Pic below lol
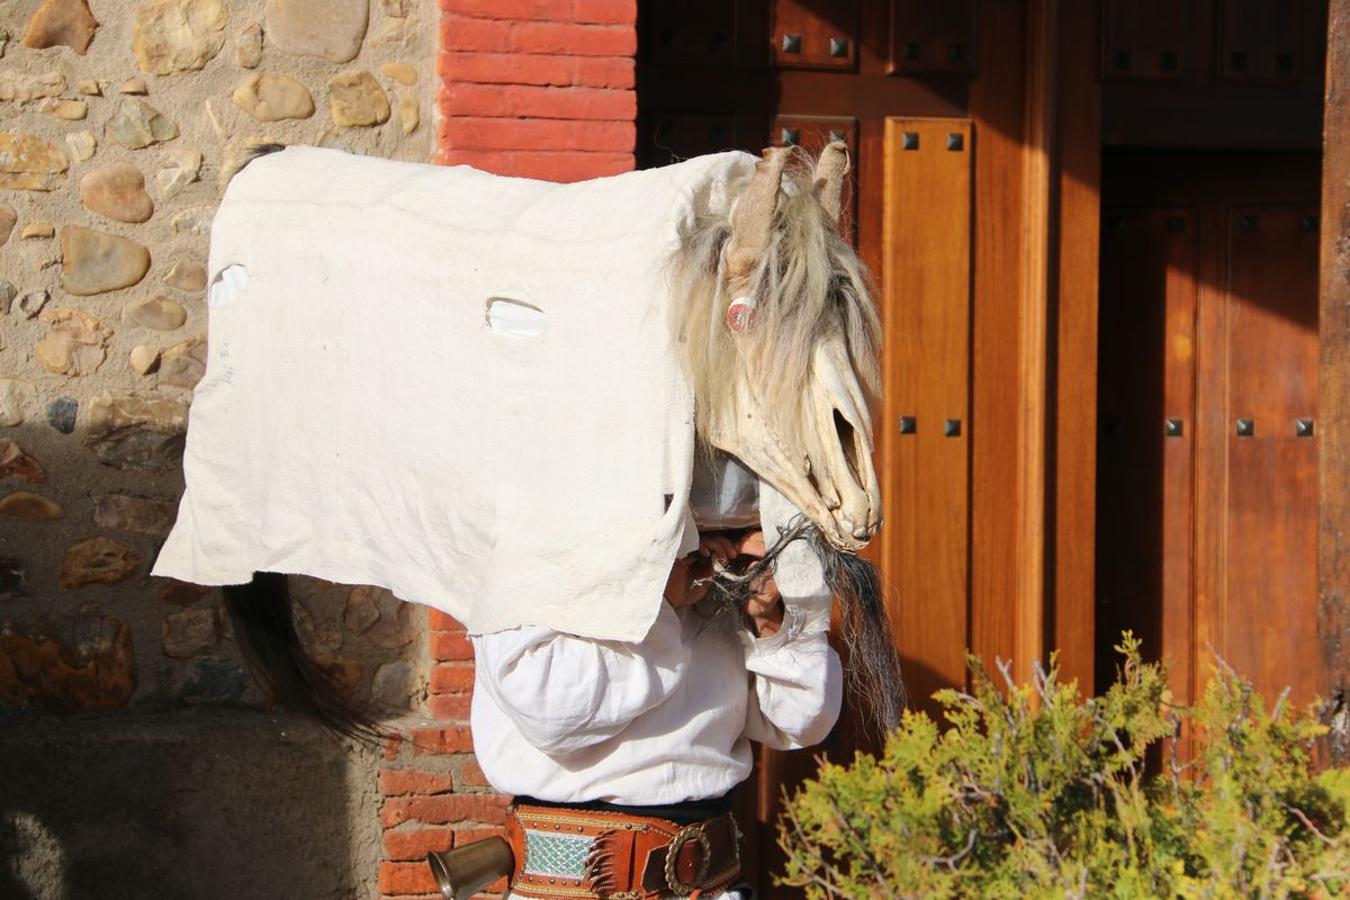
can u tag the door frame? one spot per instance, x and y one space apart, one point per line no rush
1333 501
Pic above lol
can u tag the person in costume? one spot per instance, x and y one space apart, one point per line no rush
548 510
607 737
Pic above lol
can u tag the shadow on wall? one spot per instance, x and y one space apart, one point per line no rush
204 804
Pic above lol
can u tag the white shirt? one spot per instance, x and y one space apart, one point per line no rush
569 719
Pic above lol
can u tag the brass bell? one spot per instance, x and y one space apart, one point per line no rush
464 871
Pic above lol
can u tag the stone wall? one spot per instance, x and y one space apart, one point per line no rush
117 118
112 140
116 121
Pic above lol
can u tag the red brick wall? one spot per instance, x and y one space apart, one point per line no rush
544 89
433 793
540 88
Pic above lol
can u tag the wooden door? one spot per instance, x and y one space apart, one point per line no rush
746 74
989 306
1207 510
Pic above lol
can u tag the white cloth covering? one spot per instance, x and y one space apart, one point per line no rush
368 417
660 721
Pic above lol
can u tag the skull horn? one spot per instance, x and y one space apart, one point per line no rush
831 169
752 219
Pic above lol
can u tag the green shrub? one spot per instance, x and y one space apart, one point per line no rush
1034 792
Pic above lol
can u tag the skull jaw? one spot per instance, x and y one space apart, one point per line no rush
751 441
831 479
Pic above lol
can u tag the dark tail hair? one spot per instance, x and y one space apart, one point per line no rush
873 671
265 631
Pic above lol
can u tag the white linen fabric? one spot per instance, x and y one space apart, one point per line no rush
724 493
798 571
367 416
660 721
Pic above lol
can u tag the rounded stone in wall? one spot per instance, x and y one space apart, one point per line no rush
27 506
158 313
332 29
117 192
356 98
23 87
82 144
180 168
14 462
400 72
15 397
71 675
64 108
76 342
137 124
187 275
98 560
61 23
209 681
178 35
408 116
248 45
143 359
190 633
29 163
61 414
31 304
273 96
396 685
183 364
93 262
135 430
134 514
380 617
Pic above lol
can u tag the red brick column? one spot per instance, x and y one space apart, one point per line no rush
539 88
542 89
434 795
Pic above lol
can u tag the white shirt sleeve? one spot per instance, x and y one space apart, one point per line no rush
565 693
797 687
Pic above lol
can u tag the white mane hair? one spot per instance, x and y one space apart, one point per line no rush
808 284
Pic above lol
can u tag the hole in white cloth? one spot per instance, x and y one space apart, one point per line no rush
515 317
228 284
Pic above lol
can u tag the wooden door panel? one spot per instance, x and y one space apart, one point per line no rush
1265 611
1146 400
1207 540
820 34
1145 40
933 37
692 32
714 76
1259 40
925 412
1213 73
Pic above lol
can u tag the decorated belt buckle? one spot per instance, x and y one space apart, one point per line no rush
685 835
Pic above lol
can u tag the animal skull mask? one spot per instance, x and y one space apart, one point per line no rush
786 361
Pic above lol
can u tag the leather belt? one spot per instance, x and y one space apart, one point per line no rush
572 853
